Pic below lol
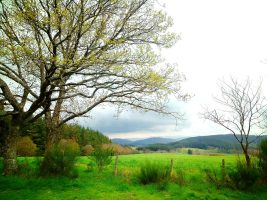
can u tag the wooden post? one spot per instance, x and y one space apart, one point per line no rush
171 170
116 166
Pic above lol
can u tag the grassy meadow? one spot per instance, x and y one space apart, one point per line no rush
93 185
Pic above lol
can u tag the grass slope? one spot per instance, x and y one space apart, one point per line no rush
91 185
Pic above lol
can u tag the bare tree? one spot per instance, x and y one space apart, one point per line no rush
242 110
63 58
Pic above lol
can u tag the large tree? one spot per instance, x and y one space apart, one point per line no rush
241 109
63 58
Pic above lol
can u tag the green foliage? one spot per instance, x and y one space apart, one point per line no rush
60 159
152 172
244 177
37 132
240 177
263 159
102 157
26 147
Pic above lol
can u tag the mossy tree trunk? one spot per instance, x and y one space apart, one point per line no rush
10 151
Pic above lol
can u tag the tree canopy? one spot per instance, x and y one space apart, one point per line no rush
70 56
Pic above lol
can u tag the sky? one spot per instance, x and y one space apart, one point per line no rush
219 38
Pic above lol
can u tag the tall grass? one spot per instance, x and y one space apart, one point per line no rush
153 172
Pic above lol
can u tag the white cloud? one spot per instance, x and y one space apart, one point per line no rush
219 38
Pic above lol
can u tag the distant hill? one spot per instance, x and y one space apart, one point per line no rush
143 142
217 141
121 141
222 142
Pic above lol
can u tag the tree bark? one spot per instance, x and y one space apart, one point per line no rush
10 151
52 132
52 138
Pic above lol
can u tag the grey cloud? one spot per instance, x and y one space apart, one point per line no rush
130 121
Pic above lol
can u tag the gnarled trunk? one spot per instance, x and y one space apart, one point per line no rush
52 132
52 137
10 151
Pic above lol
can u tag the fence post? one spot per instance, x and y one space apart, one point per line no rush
171 171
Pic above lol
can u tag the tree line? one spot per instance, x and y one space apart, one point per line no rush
82 135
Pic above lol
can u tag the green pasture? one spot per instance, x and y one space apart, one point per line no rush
125 186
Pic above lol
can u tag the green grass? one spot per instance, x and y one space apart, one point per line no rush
92 185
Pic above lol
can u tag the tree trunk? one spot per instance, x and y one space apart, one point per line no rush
10 151
52 132
53 137
247 157
248 161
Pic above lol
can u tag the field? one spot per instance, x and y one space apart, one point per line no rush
125 186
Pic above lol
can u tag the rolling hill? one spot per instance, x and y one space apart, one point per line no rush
222 142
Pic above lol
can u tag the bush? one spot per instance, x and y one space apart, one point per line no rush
263 160
60 160
189 151
244 177
102 157
26 147
218 180
154 173
87 150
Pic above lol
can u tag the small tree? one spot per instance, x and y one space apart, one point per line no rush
242 109
60 159
102 157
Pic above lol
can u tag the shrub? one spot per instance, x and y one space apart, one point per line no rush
213 177
263 159
244 177
87 150
26 147
154 173
60 159
189 151
102 157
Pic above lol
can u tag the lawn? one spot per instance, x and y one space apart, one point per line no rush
125 186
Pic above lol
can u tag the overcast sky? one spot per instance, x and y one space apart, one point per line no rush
219 38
